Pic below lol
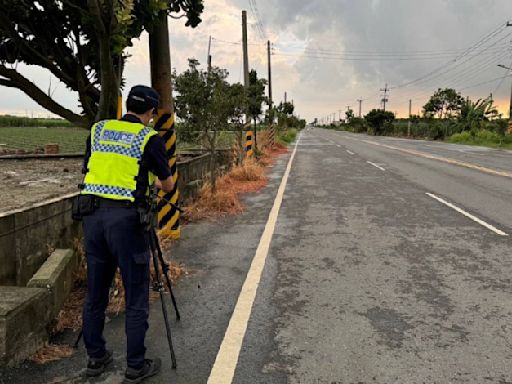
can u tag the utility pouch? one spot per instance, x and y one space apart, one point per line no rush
83 205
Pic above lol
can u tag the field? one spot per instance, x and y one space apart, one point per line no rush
70 140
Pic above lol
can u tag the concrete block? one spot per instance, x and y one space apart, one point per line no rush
56 275
24 315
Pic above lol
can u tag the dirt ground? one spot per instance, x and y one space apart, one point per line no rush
27 182
30 181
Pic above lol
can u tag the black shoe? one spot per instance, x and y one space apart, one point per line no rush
96 367
150 368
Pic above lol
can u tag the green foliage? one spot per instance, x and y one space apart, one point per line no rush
288 136
15 121
349 115
482 137
379 120
445 103
256 94
473 115
80 43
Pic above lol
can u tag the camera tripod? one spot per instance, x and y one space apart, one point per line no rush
158 286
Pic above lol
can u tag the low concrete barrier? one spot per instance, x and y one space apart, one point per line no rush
24 315
56 276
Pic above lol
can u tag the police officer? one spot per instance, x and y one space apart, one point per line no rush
124 158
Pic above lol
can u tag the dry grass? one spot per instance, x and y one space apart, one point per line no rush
246 178
52 352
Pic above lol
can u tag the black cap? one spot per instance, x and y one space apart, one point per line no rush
142 99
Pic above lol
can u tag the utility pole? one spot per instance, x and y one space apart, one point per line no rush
409 122
385 98
360 101
209 57
245 49
270 105
285 97
161 81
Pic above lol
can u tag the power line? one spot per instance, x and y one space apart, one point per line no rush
484 39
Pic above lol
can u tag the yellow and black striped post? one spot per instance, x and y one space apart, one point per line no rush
249 151
169 216
272 135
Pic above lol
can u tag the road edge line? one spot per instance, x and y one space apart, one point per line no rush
226 361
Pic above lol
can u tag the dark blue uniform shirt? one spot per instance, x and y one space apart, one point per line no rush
154 159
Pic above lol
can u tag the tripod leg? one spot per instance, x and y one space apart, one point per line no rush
159 286
79 337
165 270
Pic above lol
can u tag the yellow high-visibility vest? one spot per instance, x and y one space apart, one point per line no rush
116 152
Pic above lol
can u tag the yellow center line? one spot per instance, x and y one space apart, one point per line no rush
443 159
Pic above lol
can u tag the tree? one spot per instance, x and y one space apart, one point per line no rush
284 112
81 43
444 102
473 115
255 99
206 103
349 115
378 119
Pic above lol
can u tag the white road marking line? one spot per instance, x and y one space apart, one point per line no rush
339 146
225 364
469 215
376 165
350 153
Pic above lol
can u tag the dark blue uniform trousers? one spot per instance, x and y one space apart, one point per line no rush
114 237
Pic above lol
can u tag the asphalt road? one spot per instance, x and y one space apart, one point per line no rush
367 279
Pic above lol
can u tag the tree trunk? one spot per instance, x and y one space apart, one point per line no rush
14 79
108 79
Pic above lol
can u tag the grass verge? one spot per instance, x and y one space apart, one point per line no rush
482 138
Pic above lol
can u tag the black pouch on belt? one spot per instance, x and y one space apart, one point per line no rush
83 205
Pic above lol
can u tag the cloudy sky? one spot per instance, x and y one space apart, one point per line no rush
327 54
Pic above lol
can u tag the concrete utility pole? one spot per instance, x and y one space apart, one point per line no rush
245 49
270 104
360 101
385 98
409 122
209 57
285 97
160 58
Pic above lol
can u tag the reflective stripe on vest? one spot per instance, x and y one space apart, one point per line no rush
116 151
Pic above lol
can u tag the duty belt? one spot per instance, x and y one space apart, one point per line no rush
110 203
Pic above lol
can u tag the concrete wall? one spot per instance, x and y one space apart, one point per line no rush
194 172
25 234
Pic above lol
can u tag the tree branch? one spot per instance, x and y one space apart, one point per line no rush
12 78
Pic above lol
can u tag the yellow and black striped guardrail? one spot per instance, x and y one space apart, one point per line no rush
169 216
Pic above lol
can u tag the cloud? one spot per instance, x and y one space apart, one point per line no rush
310 36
